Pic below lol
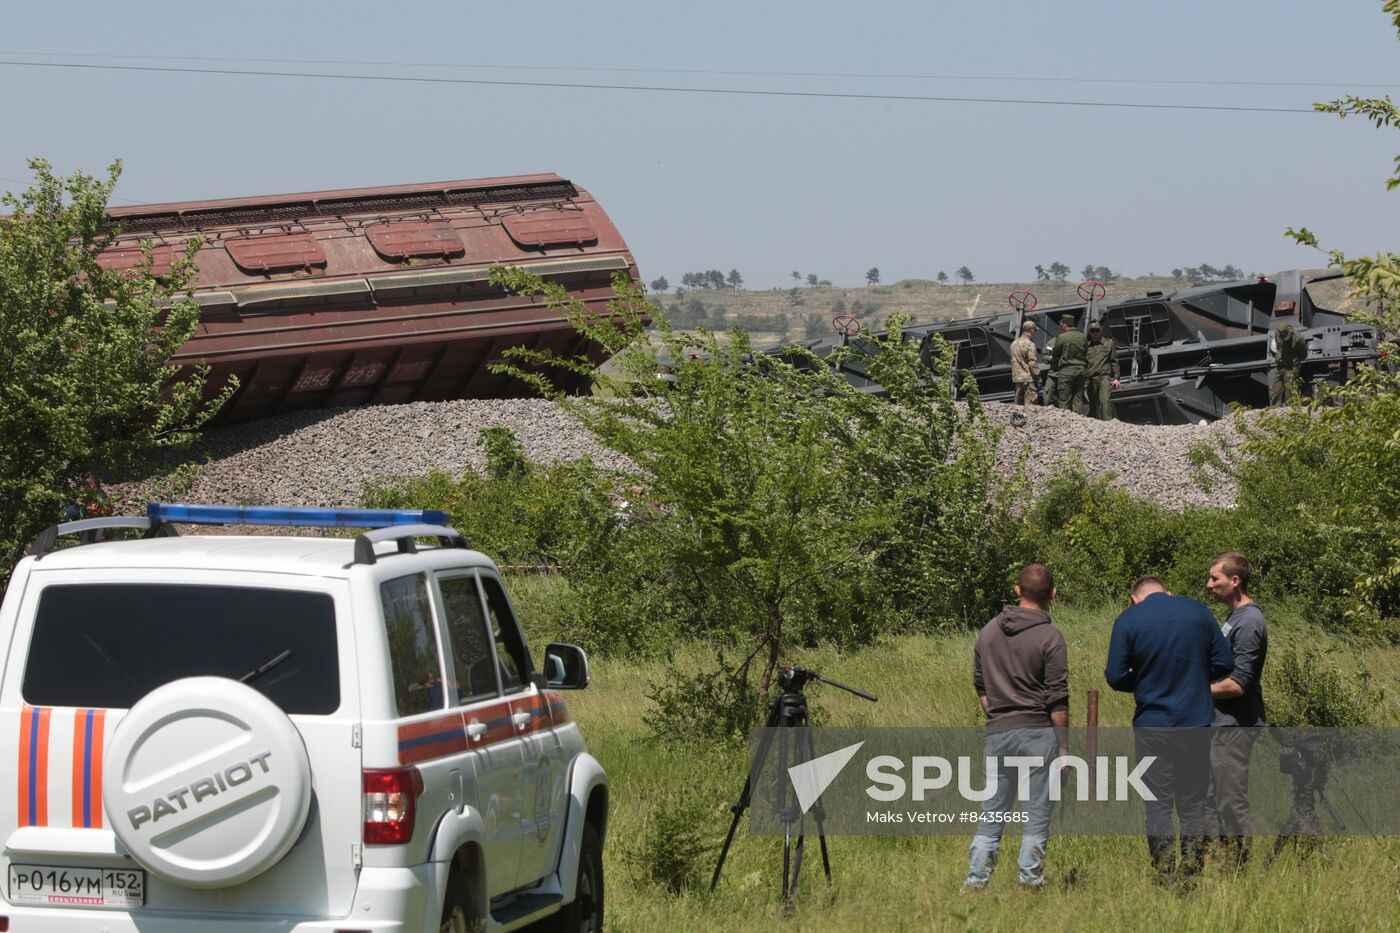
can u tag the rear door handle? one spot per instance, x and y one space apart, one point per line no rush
475 730
521 720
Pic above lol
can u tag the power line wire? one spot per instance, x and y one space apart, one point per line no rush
26 184
740 92
720 72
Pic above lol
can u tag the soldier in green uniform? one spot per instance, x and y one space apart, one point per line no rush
1291 349
1068 360
1102 372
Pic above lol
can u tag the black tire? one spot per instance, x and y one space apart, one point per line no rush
456 900
585 914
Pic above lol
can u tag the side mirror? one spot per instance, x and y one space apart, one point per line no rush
565 667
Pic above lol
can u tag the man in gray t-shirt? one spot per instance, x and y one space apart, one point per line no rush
1239 702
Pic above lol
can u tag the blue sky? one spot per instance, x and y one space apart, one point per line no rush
764 184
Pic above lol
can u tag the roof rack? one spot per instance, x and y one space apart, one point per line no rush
403 535
47 539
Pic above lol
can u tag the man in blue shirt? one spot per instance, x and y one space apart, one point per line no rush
1167 650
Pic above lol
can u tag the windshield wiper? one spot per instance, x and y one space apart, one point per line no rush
258 672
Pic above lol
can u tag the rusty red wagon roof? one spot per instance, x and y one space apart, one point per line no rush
364 295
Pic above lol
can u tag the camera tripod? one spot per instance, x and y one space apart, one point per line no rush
787 712
1309 767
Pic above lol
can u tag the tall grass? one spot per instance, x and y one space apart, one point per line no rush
914 883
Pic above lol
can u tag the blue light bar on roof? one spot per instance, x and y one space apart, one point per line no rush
290 515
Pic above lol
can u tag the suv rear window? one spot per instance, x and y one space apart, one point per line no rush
108 645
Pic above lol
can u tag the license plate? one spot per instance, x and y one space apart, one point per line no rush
77 887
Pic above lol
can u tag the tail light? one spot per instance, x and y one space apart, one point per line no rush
391 803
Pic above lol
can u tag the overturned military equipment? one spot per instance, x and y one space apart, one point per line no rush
370 295
1185 355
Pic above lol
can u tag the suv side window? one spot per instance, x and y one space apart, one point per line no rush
473 654
510 652
413 655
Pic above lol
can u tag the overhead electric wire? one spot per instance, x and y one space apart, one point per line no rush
715 72
26 184
741 92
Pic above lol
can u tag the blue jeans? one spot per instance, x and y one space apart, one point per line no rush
982 857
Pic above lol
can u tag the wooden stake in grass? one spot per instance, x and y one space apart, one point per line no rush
1091 736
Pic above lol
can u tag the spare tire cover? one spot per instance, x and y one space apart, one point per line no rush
207 782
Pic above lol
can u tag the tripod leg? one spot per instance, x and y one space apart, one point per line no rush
738 809
1336 816
787 855
747 793
790 890
819 817
1285 832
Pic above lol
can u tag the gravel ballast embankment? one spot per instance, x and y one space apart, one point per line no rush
324 458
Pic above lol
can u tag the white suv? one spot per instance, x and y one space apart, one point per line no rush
286 733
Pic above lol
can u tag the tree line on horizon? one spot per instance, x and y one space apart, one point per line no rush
715 280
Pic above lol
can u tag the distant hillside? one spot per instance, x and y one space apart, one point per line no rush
805 312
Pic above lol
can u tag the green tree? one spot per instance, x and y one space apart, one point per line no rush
734 279
942 278
1041 275
86 388
797 276
759 536
965 274
1337 543
872 276
661 285
1059 270
812 280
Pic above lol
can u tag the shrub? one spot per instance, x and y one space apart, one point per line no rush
1098 539
1318 506
720 704
1305 688
671 846
527 514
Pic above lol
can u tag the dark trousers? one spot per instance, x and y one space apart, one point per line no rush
1101 397
1231 747
1179 778
1069 390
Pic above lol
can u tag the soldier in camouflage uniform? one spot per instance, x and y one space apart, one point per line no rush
1025 366
1102 372
1068 360
1291 348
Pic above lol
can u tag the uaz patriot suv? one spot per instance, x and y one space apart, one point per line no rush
286 733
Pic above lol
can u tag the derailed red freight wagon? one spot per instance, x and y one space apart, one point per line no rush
373 295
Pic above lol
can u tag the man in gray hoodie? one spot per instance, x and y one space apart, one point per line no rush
1020 669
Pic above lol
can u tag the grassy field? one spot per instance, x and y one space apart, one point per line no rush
926 301
914 883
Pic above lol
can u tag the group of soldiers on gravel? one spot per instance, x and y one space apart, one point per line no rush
1082 365
1085 368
